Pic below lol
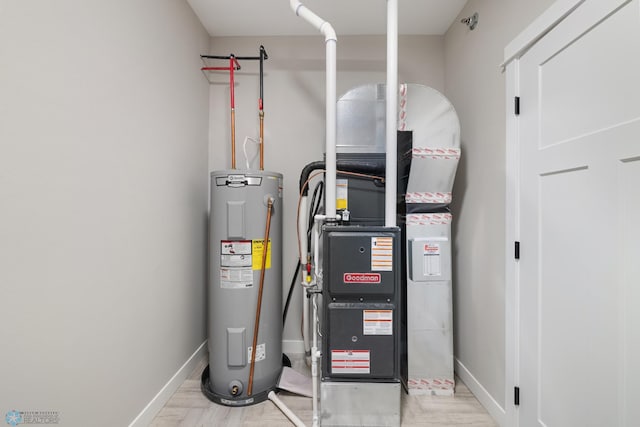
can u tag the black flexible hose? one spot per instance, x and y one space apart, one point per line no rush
316 201
304 175
291 287
373 167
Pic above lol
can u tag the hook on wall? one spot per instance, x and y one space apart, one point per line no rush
471 21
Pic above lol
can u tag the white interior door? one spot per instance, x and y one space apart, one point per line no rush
579 286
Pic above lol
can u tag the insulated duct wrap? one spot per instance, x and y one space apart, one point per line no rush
435 129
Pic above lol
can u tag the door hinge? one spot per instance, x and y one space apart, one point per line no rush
516 251
516 105
516 396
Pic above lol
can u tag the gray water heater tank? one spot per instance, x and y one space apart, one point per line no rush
238 217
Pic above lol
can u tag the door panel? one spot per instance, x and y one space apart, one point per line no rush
629 316
570 104
579 211
576 301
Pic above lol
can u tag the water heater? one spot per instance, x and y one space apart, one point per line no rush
245 207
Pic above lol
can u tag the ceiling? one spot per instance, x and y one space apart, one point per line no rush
348 17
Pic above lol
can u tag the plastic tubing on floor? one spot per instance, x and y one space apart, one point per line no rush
285 409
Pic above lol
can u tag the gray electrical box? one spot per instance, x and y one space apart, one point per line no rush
429 259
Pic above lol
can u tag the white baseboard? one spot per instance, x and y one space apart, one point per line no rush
145 417
293 346
483 396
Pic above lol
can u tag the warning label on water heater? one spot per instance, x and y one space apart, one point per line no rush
258 251
235 253
261 354
236 278
350 362
235 264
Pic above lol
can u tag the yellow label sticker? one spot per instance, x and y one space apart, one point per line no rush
257 247
342 193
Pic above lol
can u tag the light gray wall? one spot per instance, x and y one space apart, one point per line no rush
103 184
476 87
295 108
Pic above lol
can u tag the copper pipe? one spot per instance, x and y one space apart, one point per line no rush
260 290
233 66
232 61
263 56
233 138
261 140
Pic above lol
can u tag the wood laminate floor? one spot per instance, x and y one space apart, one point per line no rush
188 407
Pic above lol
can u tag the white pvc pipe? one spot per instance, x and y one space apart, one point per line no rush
303 220
316 245
330 149
392 120
305 326
315 353
315 357
285 409
303 223
331 107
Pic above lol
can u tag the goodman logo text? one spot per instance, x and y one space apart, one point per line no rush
361 277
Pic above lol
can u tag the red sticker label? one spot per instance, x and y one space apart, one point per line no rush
361 278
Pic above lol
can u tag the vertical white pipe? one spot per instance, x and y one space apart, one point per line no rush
331 108
330 170
316 246
315 356
392 125
330 148
305 326
303 221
